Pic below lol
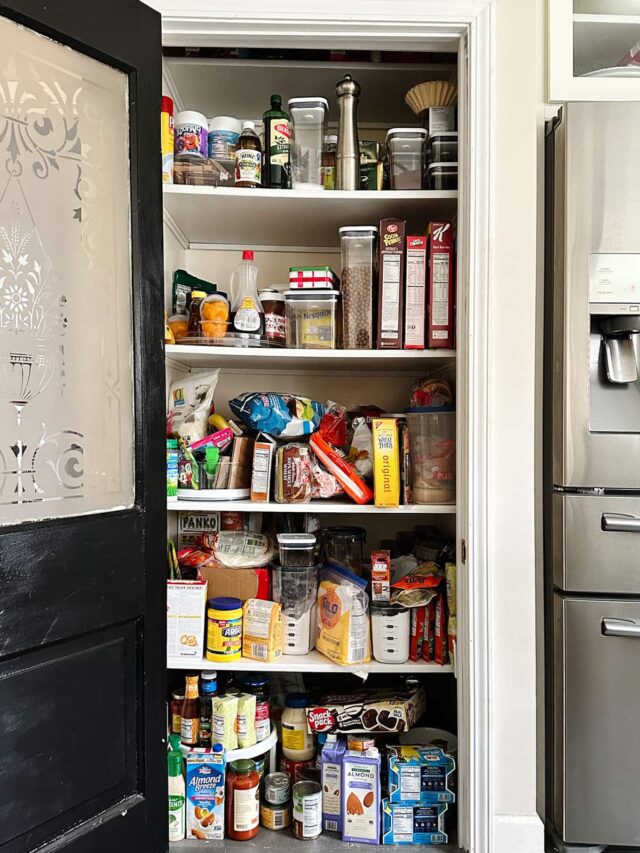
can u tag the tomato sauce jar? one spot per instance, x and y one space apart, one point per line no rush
243 800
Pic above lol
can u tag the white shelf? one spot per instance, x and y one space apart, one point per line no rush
313 662
248 751
320 506
287 360
262 217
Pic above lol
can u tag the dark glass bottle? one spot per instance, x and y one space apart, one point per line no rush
277 144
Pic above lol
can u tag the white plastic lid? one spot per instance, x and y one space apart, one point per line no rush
442 167
407 131
362 229
294 541
225 123
250 124
331 139
309 103
191 117
273 295
315 294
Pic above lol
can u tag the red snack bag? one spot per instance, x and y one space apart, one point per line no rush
333 425
441 651
428 646
416 639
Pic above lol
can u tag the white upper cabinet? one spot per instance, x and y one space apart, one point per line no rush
594 50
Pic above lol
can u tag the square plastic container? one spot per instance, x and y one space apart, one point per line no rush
443 148
358 249
442 176
296 549
309 118
407 148
432 445
313 319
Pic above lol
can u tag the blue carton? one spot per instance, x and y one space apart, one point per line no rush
420 774
405 823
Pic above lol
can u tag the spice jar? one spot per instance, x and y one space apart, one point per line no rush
275 324
243 800
358 253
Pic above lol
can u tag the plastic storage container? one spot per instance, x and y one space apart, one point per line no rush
191 133
309 118
390 629
214 315
443 148
442 176
432 442
358 249
407 147
223 136
345 545
296 549
295 589
312 318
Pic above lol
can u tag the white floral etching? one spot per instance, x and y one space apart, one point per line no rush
66 385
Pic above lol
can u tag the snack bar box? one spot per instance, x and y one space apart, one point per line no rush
390 711
420 774
413 824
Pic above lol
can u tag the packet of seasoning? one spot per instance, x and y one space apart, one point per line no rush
188 471
417 587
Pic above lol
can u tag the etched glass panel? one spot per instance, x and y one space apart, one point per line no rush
66 375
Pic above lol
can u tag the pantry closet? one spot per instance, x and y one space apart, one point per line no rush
206 229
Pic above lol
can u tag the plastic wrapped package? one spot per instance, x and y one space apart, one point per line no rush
285 415
345 473
293 474
190 404
241 549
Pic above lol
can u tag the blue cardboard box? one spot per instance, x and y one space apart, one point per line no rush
413 823
420 774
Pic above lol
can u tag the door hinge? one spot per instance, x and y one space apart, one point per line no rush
463 551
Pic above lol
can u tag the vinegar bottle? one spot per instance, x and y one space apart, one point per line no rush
247 313
248 157
190 717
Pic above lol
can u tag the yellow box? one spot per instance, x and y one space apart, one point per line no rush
386 462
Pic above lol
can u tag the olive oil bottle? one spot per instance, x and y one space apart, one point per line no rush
277 143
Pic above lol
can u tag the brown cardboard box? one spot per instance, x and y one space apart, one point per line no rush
236 583
368 710
391 284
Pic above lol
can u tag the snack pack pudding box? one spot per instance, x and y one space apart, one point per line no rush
361 796
410 823
205 794
420 774
331 761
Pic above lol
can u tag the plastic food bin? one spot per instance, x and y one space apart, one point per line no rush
358 248
214 315
407 147
432 445
309 118
442 176
443 148
296 549
295 589
312 318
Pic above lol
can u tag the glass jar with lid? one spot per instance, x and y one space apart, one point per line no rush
358 250
345 545
243 800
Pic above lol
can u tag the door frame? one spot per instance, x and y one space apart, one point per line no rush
420 25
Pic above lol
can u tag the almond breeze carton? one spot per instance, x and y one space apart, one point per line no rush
205 794
331 760
361 796
420 775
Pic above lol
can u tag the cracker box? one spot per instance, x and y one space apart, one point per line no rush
420 774
441 285
192 524
368 710
386 462
186 606
415 294
391 284
205 795
413 824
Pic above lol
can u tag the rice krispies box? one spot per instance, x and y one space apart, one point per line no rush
390 711
420 774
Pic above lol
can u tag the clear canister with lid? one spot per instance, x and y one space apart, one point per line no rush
358 249
312 318
407 149
295 588
443 147
432 443
390 630
345 545
309 118
214 315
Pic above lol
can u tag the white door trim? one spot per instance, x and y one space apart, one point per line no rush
420 25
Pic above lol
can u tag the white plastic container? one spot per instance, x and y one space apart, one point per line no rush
191 133
390 629
295 589
223 135
297 740
309 119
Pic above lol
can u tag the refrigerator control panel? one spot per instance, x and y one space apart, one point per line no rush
615 277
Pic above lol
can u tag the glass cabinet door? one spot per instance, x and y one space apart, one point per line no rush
594 50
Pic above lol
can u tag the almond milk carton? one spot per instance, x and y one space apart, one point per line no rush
205 794
361 796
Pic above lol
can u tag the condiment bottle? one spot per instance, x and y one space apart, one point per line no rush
194 327
248 157
177 797
277 143
258 686
190 716
243 800
208 691
247 313
329 162
348 150
177 700
297 742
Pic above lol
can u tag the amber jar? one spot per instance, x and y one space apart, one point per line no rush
243 800
175 710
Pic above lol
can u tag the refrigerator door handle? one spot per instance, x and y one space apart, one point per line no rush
620 628
616 522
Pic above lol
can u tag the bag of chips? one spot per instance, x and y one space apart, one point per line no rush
285 415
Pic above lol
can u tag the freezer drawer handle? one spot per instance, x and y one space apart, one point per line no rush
620 628
619 523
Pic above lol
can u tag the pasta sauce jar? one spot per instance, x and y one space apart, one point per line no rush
243 800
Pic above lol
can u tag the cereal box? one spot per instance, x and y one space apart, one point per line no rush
205 795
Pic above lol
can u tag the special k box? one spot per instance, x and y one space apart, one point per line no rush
440 331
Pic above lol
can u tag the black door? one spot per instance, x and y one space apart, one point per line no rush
82 523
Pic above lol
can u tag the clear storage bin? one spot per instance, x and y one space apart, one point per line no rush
442 176
432 445
345 545
295 589
309 118
296 549
358 248
407 148
312 318
443 148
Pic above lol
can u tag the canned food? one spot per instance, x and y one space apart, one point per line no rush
261 764
275 816
307 809
360 743
310 774
276 788
293 768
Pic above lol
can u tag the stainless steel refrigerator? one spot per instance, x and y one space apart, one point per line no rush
592 476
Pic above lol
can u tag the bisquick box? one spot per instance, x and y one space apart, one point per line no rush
413 823
420 774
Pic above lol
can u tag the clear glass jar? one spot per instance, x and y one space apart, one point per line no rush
358 249
345 545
